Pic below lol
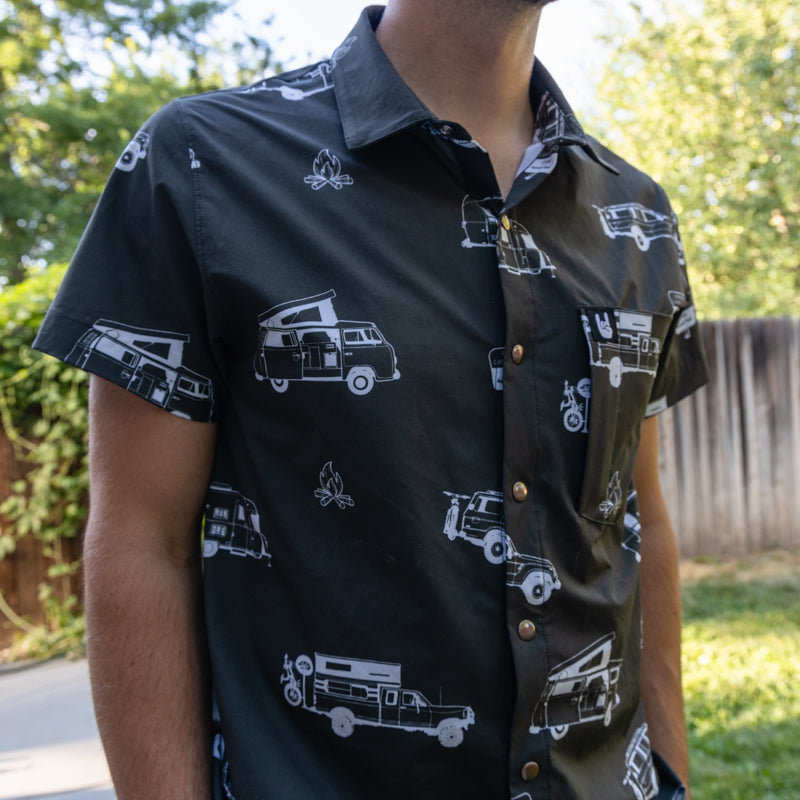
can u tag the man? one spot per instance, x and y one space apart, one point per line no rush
409 321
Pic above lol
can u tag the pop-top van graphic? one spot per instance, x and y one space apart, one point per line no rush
579 690
354 691
640 223
640 773
148 363
304 340
482 523
621 341
135 152
232 523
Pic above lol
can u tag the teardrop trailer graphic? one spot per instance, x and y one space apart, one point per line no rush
354 691
304 340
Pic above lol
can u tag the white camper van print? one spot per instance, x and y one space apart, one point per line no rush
354 691
550 126
232 523
304 340
640 773
633 527
640 223
480 226
576 412
688 318
298 87
148 363
497 356
135 152
482 523
621 341
579 690
518 253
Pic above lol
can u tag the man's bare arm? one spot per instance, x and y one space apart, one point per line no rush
662 690
145 640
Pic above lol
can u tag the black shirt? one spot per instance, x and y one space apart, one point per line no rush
421 542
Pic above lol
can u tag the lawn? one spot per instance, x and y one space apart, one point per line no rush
741 662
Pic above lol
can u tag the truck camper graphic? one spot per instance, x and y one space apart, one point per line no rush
640 773
581 689
147 363
303 340
483 523
353 691
232 523
640 223
621 341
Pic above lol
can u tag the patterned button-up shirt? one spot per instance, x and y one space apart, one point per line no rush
420 539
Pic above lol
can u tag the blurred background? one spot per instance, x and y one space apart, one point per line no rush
702 94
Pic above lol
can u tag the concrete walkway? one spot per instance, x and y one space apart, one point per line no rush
49 745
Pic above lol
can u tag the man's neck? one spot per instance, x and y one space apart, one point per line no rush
470 62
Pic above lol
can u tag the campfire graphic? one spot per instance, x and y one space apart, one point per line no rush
331 487
327 172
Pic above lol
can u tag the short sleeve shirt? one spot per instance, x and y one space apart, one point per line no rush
420 538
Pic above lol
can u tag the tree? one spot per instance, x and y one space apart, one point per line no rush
707 100
77 78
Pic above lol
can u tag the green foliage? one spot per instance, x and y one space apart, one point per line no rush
740 655
706 98
43 409
77 79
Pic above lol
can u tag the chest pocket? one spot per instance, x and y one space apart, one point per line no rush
625 349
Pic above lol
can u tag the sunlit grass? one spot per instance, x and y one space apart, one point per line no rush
741 661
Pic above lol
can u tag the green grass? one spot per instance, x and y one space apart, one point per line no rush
741 662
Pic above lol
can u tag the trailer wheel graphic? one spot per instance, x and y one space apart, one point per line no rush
293 695
342 721
360 380
495 546
642 242
450 735
559 731
615 371
280 385
210 548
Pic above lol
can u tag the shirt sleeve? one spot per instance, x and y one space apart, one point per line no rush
133 304
682 365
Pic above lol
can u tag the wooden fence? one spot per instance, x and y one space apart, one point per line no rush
730 454
730 457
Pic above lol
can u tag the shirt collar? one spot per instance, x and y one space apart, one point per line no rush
375 102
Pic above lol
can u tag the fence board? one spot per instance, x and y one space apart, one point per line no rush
734 484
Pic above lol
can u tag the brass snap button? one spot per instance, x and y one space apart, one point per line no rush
520 491
526 630
530 770
517 353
